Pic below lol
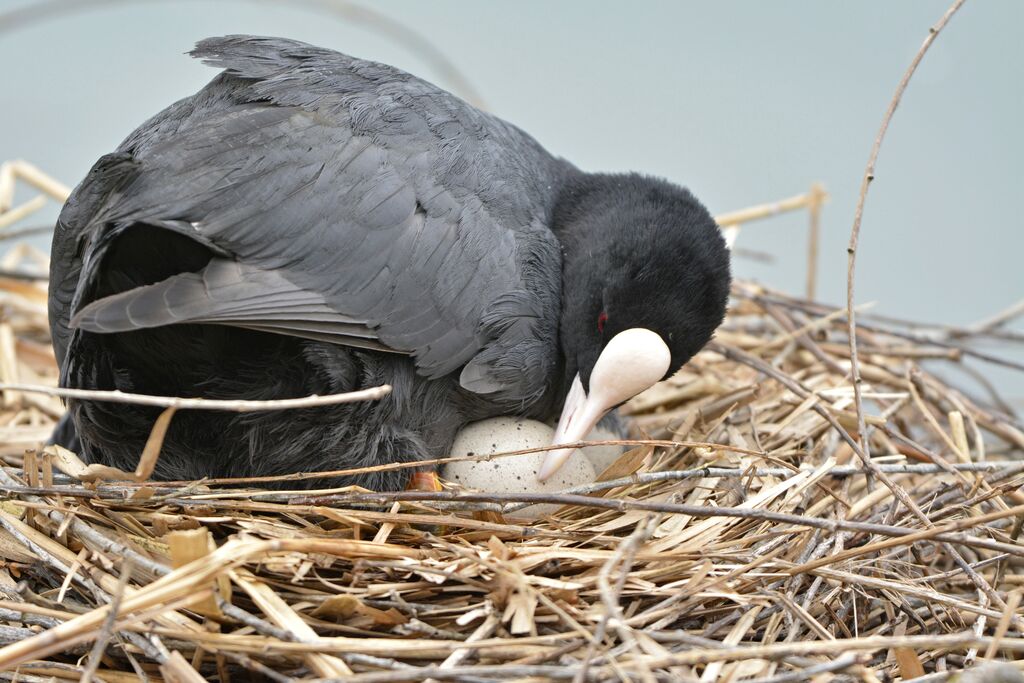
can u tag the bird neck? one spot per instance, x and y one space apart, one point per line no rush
589 209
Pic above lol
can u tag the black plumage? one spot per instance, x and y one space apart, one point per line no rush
314 223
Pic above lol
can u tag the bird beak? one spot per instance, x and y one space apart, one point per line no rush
632 362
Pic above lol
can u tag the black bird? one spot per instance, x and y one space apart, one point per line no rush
313 223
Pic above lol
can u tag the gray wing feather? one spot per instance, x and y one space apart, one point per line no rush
225 292
355 203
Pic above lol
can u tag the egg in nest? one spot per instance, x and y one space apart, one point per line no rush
518 473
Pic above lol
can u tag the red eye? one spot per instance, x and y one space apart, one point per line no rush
602 318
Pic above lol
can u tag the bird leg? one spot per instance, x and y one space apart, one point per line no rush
424 481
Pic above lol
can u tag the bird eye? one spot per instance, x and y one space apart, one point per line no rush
602 318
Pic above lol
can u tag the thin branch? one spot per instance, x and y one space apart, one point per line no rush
777 472
229 405
810 673
942 533
107 630
998 320
768 210
298 476
818 197
869 176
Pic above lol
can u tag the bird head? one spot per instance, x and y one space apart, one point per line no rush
645 283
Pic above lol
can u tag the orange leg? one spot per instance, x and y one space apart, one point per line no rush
424 481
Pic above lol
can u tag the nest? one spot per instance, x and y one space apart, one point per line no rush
753 533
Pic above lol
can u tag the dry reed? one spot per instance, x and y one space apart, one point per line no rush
740 539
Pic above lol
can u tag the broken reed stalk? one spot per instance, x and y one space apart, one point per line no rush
818 199
761 211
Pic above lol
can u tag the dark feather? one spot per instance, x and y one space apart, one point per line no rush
313 223
371 192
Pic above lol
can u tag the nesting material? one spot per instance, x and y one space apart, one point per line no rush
742 540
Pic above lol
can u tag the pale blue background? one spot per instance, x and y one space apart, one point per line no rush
744 102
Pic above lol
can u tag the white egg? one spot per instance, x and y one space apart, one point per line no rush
516 473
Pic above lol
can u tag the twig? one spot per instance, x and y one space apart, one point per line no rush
229 405
31 174
869 176
623 558
257 668
765 210
818 197
19 274
998 320
830 647
22 233
483 631
17 213
298 476
809 673
107 630
117 492
916 337
1004 624
778 472
943 533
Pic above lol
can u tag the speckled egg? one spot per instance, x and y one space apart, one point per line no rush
513 474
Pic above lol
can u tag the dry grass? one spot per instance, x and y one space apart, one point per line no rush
743 541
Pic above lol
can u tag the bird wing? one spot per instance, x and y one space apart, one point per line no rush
346 201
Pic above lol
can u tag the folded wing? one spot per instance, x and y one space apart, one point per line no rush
346 201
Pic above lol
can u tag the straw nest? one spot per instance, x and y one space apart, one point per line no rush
750 538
